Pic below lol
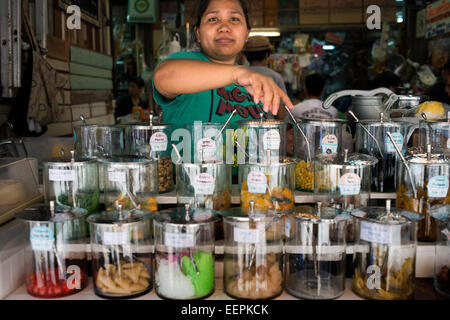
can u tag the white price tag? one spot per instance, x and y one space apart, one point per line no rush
256 182
271 140
179 240
61 175
204 184
375 232
117 176
246 235
42 238
206 149
158 142
437 187
329 144
287 227
398 139
349 184
448 143
114 238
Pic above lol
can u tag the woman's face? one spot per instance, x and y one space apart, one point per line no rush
223 31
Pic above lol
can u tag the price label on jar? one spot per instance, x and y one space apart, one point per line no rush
206 149
349 184
115 238
375 232
42 238
287 227
179 240
158 142
117 176
256 182
271 140
246 235
204 184
398 139
448 143
329 144
437 187
61 175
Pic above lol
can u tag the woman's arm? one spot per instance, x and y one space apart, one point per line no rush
185 76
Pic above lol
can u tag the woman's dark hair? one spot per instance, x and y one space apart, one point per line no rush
256 55
202 5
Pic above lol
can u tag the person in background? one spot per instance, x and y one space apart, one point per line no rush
440 91
312 106
387 79
132 100
257 51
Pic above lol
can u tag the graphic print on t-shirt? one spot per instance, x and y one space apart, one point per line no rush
237 99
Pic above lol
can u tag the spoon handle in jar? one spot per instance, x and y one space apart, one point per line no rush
301 131
368 132
225 125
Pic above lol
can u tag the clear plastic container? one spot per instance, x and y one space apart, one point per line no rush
315 255
122 253
269 185
152 141
253 264
55 260
131 181
436 133
207 143
442 257
94 141
383 173
430 173
72 183
256 137
205 185
184 242
324 137
343 180
385 253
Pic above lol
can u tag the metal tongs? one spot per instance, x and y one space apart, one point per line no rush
408 169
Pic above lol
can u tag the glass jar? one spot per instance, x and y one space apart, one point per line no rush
205 185
72 184
383 173
324 137
94 141
184 242
343 180
385 253
315 254
269 185
206 144
154 141
121 245
55 260
442 257
131 181
430 173
436 133
253 265
257 137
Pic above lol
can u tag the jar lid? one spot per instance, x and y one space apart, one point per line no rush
384 216
281 162
112 127
265 123
325 122
427 158
187 215
67 162
236 214
385 123
120 217
352 160
146 126
43 213
126 160
317 214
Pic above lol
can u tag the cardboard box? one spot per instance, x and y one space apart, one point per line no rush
313 4
271 18
308 17
345 4
345 16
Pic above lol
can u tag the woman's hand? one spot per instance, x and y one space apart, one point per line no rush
262 88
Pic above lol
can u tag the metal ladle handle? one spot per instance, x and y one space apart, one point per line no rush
225 125
405 163
301 131
368 132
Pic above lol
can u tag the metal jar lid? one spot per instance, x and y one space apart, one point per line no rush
263 123
187 216
154 127
282 163
126 160
318 214
45 213
324 122
427 158
354 160
386 215
69 162
120 217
